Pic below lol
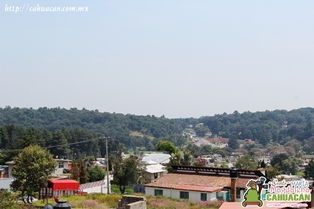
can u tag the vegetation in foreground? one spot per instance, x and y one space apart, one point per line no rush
103 201
169 203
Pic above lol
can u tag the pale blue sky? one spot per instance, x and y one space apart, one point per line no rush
173 58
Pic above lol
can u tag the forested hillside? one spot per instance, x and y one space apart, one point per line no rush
64 143
50 126
130 130
269 126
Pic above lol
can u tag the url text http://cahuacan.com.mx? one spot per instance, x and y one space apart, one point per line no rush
39 8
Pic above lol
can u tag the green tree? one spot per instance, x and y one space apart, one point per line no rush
96 173
205 149
294 144
125 172
195 150
278 159
201 130
84 178
166 146
290 165
310 143
246 162
272 172
175 159
215 126
32 167
224 165
309 170
59 144
4 138
187 158
233 142
75 171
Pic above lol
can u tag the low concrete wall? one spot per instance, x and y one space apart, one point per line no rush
132 202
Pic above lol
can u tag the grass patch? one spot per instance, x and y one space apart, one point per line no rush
300 173
90 201
115 189
136 134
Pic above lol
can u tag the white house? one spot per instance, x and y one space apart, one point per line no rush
202 184
190 192
154 171
61 165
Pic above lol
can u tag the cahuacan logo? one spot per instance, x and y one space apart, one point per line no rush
276 193
253 193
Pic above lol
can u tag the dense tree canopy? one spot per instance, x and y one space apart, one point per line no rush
279 159
125 172
309 170
32 167
287 164
233 142
166 146
20 127
117 126
246 162
96 173
64 143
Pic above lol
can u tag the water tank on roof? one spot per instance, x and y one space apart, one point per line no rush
233 173
62 204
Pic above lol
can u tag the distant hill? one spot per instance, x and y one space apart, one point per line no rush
264 127
118 126
277 126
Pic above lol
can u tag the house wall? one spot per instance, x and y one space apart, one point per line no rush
241 196
149 191
150 177
193 195
5 183
58 170
10 171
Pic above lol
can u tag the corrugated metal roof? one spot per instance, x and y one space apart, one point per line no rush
64 184
158 158
155 168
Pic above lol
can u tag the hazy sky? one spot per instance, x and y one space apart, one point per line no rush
174 58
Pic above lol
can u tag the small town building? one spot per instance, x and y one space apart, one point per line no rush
202 183
158 158
153 171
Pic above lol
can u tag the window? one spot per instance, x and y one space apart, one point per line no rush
203 196
238 193
159 192
184 195
155 175
61 165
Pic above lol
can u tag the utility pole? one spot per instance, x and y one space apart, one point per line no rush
107 164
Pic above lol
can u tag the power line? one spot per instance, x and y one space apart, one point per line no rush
60 145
